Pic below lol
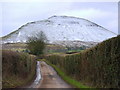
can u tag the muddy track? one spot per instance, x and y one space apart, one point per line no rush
50 79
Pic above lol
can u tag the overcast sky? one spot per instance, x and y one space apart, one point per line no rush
16 14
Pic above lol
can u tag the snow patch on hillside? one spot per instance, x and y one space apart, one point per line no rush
62 28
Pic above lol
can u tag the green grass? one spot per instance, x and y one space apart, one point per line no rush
66 78
75 50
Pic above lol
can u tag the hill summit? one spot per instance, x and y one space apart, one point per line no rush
61 28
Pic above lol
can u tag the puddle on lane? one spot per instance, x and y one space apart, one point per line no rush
38 77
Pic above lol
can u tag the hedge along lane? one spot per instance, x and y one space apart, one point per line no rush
97 66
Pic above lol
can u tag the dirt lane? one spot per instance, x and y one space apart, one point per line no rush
50 79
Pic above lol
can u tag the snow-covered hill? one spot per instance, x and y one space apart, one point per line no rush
61 28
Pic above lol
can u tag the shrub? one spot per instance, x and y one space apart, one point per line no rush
36 44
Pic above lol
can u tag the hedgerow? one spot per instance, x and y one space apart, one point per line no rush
97 66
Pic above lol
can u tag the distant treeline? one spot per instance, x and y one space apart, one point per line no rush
97 66
17 69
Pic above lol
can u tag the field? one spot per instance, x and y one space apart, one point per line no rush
14 46
50 48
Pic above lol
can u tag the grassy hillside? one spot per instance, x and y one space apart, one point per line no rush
17 69
14 46
49 49
96 67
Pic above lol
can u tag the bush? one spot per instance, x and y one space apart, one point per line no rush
36 44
